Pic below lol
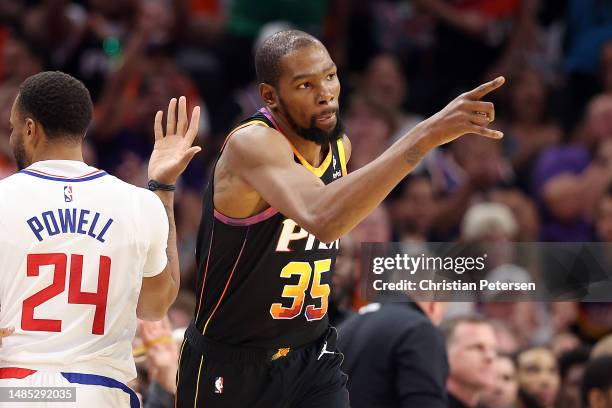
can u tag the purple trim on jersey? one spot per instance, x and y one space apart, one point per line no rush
35 173
268 115
94 379
262 216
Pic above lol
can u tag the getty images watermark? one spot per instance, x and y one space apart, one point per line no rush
407 264
489 271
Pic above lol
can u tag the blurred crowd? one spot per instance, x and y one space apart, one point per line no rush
550 179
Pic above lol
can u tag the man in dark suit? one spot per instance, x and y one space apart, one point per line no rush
394 355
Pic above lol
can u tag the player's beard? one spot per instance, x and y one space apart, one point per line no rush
313 133
19 153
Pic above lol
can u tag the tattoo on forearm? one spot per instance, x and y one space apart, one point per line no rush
414 155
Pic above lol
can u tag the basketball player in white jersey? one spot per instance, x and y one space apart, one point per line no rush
82 254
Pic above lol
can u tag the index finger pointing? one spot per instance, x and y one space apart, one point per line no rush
486 88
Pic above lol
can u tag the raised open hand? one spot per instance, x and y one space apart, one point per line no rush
465 114
173 150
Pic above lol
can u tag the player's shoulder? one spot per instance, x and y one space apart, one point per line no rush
146 202
256 144
117 188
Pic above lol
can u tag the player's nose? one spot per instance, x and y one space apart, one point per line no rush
326 96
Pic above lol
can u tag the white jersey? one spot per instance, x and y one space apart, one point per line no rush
75 244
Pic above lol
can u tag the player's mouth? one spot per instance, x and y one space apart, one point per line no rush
326 118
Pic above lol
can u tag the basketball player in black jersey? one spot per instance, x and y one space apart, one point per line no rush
277 203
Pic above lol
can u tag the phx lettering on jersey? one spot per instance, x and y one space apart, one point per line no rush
292 232
70 221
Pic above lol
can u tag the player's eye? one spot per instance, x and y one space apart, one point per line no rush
305 85
331 76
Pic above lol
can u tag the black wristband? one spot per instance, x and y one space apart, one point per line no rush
155 185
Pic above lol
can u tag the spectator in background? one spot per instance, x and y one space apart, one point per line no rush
504 392
376 227
528 129
564 342
472 352
370 125
461 174
571 369
413 208
394 356
567 179
244 20
524 210
494 34
563 316
538 377
58 27
589 27
121 134
507 342
597 383
385 84
603 216
489 222
19 61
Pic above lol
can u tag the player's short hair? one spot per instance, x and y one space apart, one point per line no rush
270 52
596 376
58 101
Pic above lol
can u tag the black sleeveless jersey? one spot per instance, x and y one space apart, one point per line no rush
264 281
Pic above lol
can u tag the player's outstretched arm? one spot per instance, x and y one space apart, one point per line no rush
265 161
172 153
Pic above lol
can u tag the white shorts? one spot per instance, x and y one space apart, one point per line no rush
91 390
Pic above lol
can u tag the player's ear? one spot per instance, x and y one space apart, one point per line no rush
30 127
32 130
268 94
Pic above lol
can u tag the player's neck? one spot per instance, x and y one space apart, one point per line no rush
309 150
58 152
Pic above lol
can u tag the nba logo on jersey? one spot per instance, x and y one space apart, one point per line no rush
219 385
68 194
